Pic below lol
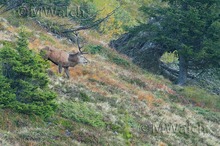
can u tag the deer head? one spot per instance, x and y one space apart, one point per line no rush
79 56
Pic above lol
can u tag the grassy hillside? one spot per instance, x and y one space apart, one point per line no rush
110 101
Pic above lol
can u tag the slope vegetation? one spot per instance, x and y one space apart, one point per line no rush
110 101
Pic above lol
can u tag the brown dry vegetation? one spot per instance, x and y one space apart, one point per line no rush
108 104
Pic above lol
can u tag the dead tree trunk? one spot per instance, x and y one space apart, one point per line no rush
183 66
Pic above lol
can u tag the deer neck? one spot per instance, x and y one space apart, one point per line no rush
73 57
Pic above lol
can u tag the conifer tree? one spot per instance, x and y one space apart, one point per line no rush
192 27
24 81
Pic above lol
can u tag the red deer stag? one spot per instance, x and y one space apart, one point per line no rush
64 59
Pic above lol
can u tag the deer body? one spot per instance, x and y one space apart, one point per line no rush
63 59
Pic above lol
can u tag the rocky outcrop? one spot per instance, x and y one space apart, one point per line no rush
143 52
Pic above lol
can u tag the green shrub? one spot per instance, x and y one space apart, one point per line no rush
201 97
44 37
94 49
171 57
15 21
135 81
108 53
84 97
127 129
209 115
81 113
119 61
24 81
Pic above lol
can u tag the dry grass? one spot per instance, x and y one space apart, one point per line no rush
117 96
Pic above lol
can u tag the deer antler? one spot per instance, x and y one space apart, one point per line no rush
78 43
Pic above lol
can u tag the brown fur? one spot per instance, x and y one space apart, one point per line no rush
63 59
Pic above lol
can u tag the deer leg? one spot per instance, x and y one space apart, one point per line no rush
60 68
67 72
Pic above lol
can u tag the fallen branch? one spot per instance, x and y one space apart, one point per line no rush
173 72
97 22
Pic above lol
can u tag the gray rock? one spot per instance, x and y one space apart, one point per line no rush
3 20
